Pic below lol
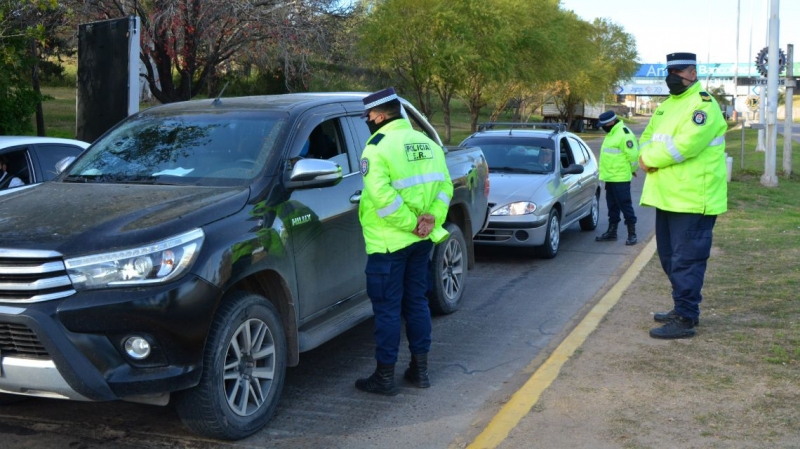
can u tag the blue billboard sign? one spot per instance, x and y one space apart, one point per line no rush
712 70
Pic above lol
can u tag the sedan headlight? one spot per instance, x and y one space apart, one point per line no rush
519 208
158 262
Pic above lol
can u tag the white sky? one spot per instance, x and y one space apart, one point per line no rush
704 27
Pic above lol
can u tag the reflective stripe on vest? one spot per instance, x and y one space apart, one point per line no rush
611 150
672 149
417 180
443 198
391 208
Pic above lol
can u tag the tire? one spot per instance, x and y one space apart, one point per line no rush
552 238
246 333
8 399
589 222
449 272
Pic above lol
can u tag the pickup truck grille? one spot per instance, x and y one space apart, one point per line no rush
16 339
32 276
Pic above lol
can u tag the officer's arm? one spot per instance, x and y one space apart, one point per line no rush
699 129
388 203
631 149
441 203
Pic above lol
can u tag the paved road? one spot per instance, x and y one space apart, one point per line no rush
517 308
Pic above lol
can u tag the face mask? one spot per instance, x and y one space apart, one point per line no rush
607 128
675 84
373 127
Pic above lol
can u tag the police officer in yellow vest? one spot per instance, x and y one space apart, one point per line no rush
407 191
683 153
619 156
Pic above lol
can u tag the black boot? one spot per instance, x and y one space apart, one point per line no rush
679 327
666 317
631 234
609 235
380 382
417 371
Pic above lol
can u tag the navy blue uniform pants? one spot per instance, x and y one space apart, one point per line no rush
618 199
396 284
684 245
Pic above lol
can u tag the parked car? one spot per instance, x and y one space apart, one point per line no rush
33 159
543 180
196 249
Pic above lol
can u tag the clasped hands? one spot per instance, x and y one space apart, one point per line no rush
425 223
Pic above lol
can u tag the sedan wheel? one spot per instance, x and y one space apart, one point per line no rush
553 237
589 222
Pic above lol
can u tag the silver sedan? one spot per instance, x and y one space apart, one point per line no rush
543 179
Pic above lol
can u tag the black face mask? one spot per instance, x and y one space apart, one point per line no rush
607 128
373 127
675 84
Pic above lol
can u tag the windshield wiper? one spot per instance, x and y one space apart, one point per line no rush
511 169
76 178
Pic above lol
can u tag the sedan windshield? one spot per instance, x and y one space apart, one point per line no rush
516 156
220 149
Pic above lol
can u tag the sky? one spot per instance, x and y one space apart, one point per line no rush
704 27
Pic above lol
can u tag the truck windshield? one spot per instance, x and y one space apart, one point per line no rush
214 149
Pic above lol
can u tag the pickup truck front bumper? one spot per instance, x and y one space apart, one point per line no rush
73 347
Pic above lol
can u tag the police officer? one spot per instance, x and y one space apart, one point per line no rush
407 191
618 163
683 153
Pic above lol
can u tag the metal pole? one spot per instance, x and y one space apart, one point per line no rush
769 179
787 124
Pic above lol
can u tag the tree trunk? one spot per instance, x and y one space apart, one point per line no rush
37 88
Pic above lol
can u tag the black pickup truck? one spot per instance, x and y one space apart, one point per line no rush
196 249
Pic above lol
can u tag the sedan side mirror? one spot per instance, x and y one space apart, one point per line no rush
572 169
63 164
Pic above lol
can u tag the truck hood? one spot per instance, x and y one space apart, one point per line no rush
510 187
86 218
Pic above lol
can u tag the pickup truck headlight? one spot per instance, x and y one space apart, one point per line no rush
158 262
519 208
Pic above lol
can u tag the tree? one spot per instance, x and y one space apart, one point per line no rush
192 39
19 96
606 55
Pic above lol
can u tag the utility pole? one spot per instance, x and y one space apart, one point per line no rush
769 179
787 123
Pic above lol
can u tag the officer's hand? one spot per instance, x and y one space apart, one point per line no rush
634 174
425 223
645 167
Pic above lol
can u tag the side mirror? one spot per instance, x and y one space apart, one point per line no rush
572 169
63 164
314 173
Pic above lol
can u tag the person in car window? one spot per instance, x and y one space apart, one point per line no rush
683 153
407 191
618 163
7 180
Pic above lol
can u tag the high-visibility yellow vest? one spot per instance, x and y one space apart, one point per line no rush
619 154
405 175
685 141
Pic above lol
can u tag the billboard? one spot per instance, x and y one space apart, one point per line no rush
108 75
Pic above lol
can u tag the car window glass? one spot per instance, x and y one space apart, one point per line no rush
566 155
578 154
326 141
196 148
49 155
18 165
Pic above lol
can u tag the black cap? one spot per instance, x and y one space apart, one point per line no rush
680 61
378 98
606 117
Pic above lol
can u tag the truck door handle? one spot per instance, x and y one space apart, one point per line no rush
356 197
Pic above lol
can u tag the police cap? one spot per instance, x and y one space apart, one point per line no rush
680 61
606 117
378 98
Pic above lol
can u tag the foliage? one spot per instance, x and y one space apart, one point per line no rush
608 56
199 41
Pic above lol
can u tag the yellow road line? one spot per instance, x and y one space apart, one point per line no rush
526 397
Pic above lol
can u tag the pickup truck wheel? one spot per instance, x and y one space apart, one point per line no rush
589 222
449 271
244 367
8 399
552 238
